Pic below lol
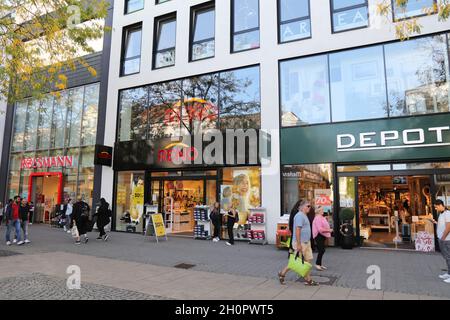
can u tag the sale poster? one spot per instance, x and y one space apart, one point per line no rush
323 197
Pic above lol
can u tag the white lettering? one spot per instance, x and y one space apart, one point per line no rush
74 280
303 29
388 135
406 139
364 137
374 281
341 19
340 138
358 16
439 132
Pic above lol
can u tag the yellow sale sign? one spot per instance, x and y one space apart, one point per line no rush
158 224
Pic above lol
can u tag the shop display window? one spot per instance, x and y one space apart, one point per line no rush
133 114
129 207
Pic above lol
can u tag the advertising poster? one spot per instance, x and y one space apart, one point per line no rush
137 198
322 197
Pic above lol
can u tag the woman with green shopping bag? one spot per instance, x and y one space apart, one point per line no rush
300 260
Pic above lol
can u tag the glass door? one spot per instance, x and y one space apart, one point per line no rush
348 199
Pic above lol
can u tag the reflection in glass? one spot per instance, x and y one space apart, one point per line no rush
134 5
305 91
417 76
294 20
45 121
90 114
132 53
74 118
358 87
413 8
240 104
129 201
86 174
19 125
133 114
165 48
351 19
246 25
31 125
59 120
204 34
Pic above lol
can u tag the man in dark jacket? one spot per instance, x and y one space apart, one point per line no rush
24 216
80 216
103 218
13 221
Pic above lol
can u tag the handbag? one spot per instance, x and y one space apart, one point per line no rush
299 266
74 231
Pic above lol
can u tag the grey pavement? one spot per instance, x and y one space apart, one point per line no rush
410 273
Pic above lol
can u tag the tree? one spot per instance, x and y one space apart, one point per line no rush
40 40
404 28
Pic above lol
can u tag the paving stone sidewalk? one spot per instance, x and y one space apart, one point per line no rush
401 272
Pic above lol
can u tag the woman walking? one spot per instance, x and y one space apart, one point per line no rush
321 232
233 217
216 219
80 217
103 219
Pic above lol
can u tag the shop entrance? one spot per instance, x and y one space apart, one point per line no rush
45 191
394 209
177 197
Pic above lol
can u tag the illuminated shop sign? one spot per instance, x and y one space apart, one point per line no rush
47 162
392 139
177 152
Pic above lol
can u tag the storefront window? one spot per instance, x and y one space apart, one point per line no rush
71 176
241 187
19 125
86 174
133 114
417 76
240 103
358 87
130 201
90 115
308 182
305 97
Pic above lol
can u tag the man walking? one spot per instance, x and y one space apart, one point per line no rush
301 241
13 221
80 216
103 219
68 210
24 217
443 233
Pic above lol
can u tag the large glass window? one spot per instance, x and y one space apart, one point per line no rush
129 205
295 20
358 86
417 76
31 125
45 123
133 5
76 97
131 56
349 14
305 95
203 33
90 115
86 174
412 8
164 52
133 114
59 120
20 120
240 103
245 26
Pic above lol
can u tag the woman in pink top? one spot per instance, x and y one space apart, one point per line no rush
321 232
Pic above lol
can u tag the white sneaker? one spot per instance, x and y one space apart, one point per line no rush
215 240
444 276
447 280
8 243
68 231
15 240
27 241
20 243
228 244
65 229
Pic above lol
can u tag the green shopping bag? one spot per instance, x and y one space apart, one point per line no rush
300 266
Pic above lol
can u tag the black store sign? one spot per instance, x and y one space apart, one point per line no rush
103 156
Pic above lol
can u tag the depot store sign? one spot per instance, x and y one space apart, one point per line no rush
47 162
412 138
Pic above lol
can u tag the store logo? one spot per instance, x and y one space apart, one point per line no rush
46 162
175 152
392 139
105 155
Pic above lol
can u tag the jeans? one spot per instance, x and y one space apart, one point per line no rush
320 242
24 226
9 226
68 222
445 251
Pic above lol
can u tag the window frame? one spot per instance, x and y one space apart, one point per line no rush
412 17
233 34
158 2
156 36
125 8
280 23
333 11
201 8
125 34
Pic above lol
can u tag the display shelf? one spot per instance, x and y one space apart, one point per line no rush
258 227
202 227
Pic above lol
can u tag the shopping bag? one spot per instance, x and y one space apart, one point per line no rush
299 265
74 231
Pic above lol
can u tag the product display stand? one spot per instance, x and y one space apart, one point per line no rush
202 228
258 226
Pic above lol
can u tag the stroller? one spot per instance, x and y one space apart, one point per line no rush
58 220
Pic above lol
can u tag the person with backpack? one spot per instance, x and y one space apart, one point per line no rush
80 219
103 215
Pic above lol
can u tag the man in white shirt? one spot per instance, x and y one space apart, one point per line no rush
443 233
69 210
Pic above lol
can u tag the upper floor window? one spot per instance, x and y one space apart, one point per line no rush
245 26
412 8
133 5
131 50
202 33
349 14
161 1
294 19
165 42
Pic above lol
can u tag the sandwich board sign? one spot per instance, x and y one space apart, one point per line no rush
155 226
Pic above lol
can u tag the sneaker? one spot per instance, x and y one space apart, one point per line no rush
77 242
20 243
86 240
319 268
447 280
215 240
8 243
99 238
444 276
106 238
15 241
228 244
65 229
68 231
27 241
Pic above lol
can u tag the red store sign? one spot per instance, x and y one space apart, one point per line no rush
177 152
46 162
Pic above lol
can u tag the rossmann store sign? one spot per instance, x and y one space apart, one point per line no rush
413 138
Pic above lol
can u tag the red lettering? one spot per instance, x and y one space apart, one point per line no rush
60 161
53 162
47 162
68 161
161 156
